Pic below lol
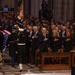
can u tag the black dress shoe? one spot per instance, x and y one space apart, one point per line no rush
20 70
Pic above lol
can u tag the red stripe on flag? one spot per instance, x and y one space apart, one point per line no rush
5 32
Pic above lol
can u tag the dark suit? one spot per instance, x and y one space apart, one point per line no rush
12 41
43 45
34 44
63 37
29 40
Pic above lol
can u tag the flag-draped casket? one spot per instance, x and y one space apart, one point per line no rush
5 36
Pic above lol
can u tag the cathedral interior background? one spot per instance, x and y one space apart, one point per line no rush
37 37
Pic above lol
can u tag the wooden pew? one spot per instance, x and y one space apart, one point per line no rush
54 61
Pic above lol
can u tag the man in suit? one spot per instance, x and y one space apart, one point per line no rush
35 42
29 33
44 44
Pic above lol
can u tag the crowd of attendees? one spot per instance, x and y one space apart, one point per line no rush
40 34
58 34
7 20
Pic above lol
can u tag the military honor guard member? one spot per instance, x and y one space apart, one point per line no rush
12 43
21 48
19 20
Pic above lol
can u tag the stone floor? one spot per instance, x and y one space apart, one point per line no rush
28 69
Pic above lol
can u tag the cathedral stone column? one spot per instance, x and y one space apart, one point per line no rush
35 7
26 6
56 10
15 6
71 9
65 10
32 7
59 13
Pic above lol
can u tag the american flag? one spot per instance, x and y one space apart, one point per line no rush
5 32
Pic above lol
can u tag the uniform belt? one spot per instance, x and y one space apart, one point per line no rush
21 44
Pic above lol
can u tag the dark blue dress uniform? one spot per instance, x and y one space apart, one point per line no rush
21 49
12 41
19 22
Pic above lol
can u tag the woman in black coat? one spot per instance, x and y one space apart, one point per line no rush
56 40
68 42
